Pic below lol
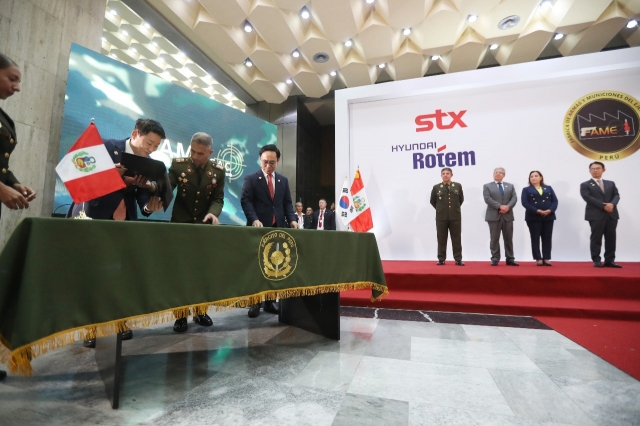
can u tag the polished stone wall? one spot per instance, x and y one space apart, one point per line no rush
37 35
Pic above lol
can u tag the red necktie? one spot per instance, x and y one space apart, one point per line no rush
272 192
320 220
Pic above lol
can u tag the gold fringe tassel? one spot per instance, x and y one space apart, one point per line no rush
19 360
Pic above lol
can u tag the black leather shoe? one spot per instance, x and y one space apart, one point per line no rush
546 263
598 264
440 262
271 307
90 343
127 335
459 263
203 320
612 265
3 375
494 262
254 311
180 326
513 263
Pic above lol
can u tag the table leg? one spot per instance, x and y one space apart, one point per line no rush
108 354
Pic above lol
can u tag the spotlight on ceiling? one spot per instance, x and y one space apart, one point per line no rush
113 12
247 27
435 57
147 26
493 47
472 18
382 65
304 13
369 1
632 23
546 4
295 53
104 39
333 73
125 32
406 31
289 81
558 36
248 63
348 43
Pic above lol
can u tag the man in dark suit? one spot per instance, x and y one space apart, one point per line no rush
266 201
323 218
199 199
121 205
304 221
500 198
602 213
447 198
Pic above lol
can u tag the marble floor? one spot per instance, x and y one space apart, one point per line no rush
383 371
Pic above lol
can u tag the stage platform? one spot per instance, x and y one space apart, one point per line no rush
599 308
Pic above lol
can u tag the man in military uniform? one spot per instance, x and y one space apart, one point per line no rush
446 198
200 196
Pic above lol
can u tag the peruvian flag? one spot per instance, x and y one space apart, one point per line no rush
87 170
361 220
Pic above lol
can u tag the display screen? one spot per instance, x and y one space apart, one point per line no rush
115 95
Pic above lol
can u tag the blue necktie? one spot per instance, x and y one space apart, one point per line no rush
501 188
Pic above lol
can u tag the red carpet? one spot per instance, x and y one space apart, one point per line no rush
570 297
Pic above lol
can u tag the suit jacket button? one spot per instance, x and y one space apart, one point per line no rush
6 155
12 141
4 170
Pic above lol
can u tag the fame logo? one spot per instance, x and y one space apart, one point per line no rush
277 255
603 125
233 162
424 123
84 162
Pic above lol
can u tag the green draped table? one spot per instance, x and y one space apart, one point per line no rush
64 280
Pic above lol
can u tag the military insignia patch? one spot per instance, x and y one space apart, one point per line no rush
277 255
180 160
209 173
189 170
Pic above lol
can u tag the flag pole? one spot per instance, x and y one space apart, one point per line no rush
83 215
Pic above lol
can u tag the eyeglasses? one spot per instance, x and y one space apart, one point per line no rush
271 163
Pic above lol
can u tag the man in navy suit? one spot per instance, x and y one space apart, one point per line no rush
266 201
323 218
602 213
121 204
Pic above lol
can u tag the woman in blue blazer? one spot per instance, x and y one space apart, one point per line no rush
540 203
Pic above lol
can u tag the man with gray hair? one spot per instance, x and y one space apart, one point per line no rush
200 196
500 198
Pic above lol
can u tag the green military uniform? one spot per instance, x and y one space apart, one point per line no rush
7 145
447 199
200 190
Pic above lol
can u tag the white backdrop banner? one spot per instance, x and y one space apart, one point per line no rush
555 117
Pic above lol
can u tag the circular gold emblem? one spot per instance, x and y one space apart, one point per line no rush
604 125
277 255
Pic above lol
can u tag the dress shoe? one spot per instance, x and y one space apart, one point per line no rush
612 265
203 320
512 263
494 262
180 326
271 307
3 374
127 335
459 263
440 262
598 264
539 263
546 263
89 343
254 311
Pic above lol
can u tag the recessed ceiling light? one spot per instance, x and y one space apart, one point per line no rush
147 26
435 57
406 31
295 53
113 12
558 36
133 49
104 39
289 81
472 18
160 59
321 57
382 65
125 32
304 13
493 47
247 27
348 43
333 73
369 1
546 4
248 63
632 23
509 22
154 43
113 55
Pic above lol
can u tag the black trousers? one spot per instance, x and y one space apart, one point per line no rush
540 230
604 227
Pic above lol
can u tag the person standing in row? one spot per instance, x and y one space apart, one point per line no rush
323 218
500 198
13 194
601 211
447 198
540 202
200 198
304 221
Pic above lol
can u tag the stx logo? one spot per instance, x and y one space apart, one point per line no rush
425 123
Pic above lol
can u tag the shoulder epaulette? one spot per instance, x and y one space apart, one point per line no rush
181 160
